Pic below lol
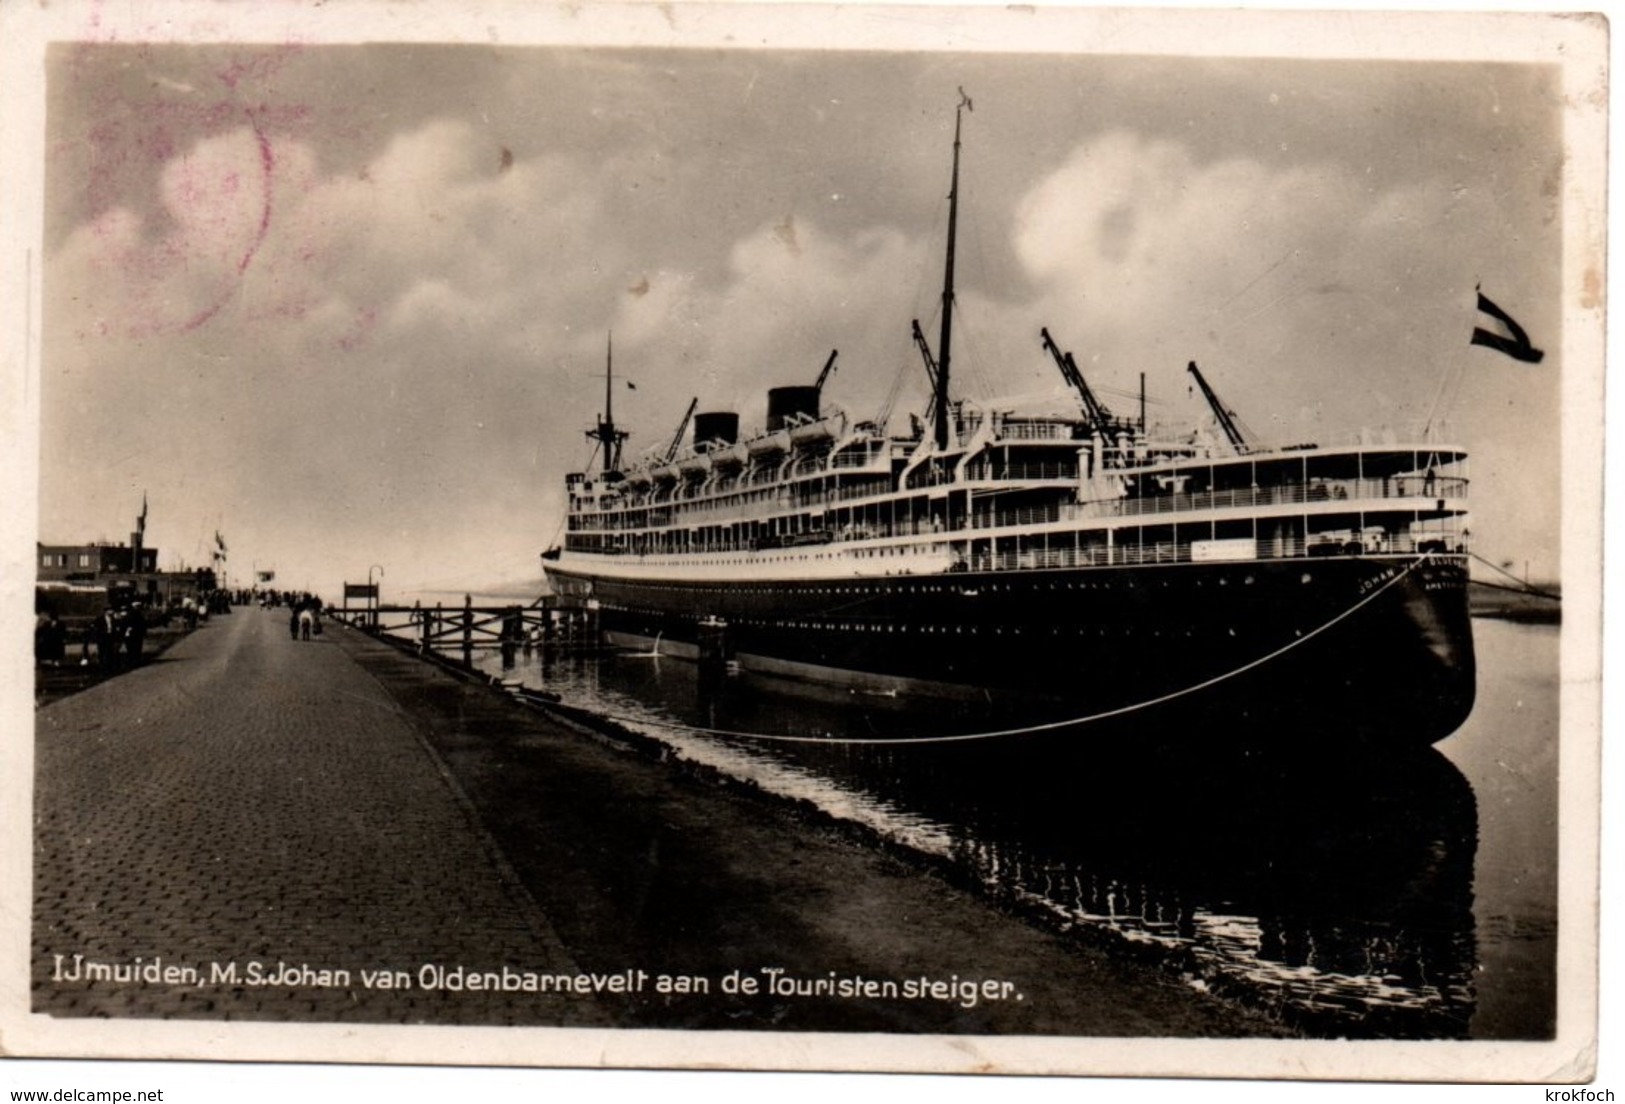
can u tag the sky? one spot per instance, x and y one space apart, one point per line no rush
348 305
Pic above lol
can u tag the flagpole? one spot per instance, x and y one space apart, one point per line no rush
1444 378
1438 394
1514 343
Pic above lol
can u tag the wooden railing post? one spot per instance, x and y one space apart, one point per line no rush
468 630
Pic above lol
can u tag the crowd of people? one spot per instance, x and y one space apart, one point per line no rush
119 635
115 637
304 610
273 599
112 634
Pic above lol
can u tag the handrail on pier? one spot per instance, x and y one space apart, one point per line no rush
444 628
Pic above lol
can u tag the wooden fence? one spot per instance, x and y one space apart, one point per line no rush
469 627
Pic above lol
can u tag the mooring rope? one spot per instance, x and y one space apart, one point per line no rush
1025 730
1523 586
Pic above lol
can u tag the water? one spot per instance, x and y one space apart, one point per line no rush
1508 750
1396 895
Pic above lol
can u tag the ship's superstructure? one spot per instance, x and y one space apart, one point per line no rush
1077 557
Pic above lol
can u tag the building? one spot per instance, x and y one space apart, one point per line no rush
90 563
77 580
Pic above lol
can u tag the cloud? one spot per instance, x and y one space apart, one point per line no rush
1288 282
386 357
790 291
396 345
1317 303
337 357
137 278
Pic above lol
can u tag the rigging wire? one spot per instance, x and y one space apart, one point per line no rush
1433 407
553 541
972 364
1523 585
912 363
973 338
1456 369
905 364
909 362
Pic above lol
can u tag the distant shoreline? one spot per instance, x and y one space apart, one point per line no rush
1538 605
521 593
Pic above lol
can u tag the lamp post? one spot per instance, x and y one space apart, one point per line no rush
372 594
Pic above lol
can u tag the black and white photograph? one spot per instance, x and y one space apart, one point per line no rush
882 539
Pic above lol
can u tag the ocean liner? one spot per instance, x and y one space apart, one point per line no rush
1076 563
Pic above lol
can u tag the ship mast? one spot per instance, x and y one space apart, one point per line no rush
944 342
606 434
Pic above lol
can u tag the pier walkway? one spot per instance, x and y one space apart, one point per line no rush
247 798
339 806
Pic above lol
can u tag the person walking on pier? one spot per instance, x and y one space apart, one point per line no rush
293 622
50 639
108 633
135 633
306 620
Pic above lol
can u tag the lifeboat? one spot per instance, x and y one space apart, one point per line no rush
734 456
769 443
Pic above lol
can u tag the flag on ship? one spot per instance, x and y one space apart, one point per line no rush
1514 342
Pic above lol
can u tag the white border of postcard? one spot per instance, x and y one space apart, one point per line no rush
1579 44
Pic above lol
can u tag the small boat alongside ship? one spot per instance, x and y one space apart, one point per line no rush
1077 563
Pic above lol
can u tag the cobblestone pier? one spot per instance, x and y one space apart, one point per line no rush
248 799
297 822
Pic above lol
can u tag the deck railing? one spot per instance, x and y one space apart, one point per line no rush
1416 486
1359 495
856 459
997 555
1098 554
1036 431
1018 471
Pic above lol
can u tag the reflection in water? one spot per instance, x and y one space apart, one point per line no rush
1336 894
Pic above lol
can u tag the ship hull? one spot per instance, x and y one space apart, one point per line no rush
1374 648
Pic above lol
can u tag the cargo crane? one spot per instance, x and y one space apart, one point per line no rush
930 361
1099 416
682 428
829 370
1226 418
